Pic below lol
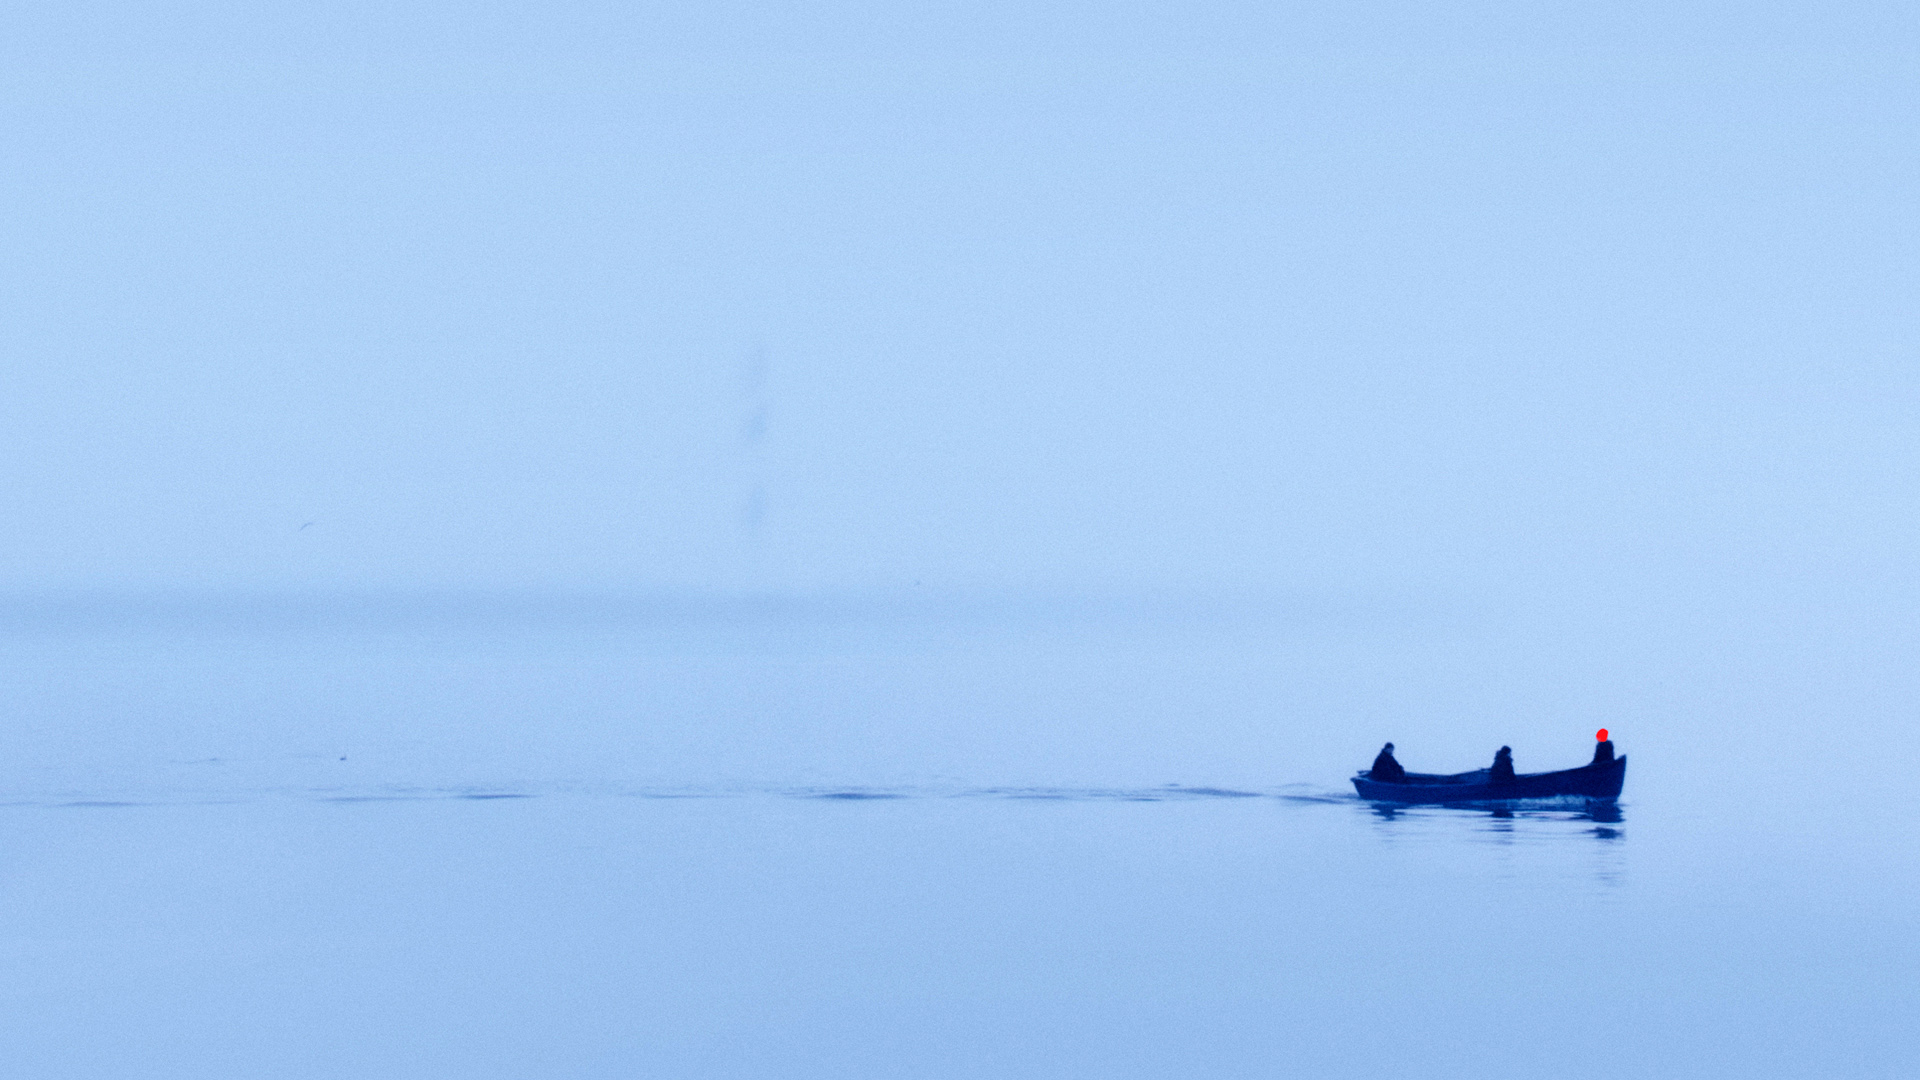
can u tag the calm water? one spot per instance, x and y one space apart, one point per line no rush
777 844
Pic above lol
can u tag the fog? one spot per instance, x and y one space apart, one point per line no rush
810 298
864 540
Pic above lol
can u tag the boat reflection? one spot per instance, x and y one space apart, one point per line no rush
1604 814
1517 842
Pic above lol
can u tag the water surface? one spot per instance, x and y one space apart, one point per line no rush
579 851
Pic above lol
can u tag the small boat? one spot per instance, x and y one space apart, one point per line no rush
1600 780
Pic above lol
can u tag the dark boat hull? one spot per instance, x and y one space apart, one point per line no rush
1588 781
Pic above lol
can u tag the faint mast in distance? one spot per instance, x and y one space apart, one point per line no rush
752 435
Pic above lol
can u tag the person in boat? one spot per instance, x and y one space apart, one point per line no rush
1385 767
1502 765
1603 748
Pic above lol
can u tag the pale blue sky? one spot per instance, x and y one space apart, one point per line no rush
1025 295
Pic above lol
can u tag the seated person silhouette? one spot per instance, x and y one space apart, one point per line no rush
1502 766
1385 767
1603 752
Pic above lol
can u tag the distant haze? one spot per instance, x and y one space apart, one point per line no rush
854 296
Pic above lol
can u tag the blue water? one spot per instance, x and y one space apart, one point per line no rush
780 845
